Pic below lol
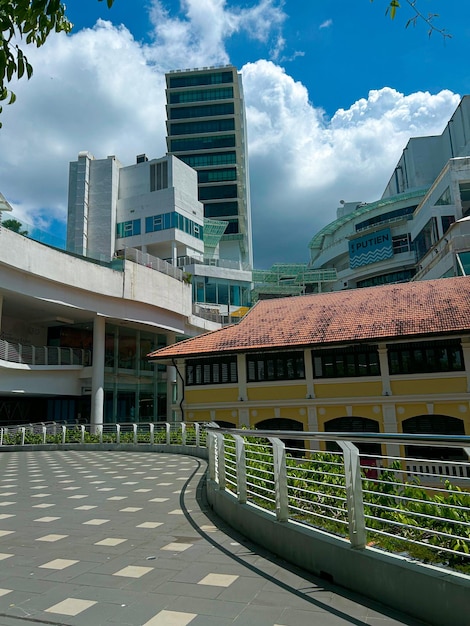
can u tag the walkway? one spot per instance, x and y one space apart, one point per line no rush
91 538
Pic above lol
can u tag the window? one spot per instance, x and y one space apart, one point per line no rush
128 229
426 356
403 276
209 126
173 220
447 221
275 366
203 110
210 176
214 158
220 209
194 80
344 362
201 95
444 198
203 143
212 371
426 238
387 217
217 191
401 243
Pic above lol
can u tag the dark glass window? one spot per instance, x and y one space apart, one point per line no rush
203 110
447 221
217 191
344 362
426 238
212 371
386 217
196 128
428 356
220 209
214 158
203 143
275 366
201 95
210 176
403 276
194 80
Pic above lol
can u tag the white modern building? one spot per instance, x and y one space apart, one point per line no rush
75 333
418 228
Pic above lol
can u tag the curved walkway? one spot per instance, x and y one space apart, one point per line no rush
126 538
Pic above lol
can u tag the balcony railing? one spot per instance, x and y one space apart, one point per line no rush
403 505
43 355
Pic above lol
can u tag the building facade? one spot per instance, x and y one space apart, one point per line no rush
75 334
389 359
206 128
399 237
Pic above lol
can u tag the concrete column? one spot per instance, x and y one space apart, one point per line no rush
390 426
466 359
309 373
313 426
97 377
242 377
174 253
1 307
172 379
384 371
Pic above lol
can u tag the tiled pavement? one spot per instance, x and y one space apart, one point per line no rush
126 538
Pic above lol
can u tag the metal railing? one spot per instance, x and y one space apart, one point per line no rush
153 433
43 355
416 507
155 263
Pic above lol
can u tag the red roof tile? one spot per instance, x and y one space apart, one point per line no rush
430 307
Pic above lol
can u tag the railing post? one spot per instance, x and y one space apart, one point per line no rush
221 460
168 433
280 479
134 428
211 448
118 433
152 433
64 430
44 434
352 471
241 468
82 439
197 429
183 433
23 433
99 430
1 436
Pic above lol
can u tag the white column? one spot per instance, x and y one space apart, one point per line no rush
384 371
466 358
174 253
97 377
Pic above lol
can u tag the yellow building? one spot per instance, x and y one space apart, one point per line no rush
384 359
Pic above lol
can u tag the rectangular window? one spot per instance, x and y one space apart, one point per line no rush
212 371
426 356
128 229
348 361
279 366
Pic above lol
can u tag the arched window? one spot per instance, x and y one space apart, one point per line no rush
284 423
354 425
434 425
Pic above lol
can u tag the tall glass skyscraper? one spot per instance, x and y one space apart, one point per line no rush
206 129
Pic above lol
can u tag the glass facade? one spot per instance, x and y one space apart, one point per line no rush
202 143
223 93
203 110
210 126
195 79
135 389
166 221
213 158
220 291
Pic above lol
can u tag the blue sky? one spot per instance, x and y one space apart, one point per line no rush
333 89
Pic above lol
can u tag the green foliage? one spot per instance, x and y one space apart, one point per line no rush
31 21
417 16
15 225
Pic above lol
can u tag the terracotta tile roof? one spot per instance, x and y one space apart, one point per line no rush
404 310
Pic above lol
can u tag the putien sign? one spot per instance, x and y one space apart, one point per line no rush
370 248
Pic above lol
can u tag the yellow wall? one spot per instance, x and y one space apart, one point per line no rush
208 395
348 390
429 386
277 392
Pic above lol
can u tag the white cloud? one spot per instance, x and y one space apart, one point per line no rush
102 91
326 24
